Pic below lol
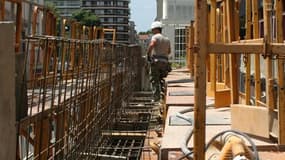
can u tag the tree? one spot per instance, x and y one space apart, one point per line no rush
86 18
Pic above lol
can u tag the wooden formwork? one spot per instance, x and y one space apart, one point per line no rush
262 50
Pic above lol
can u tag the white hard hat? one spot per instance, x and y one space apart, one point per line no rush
156 24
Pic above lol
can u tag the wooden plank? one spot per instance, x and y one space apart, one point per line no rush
212 39
281 92
201 39
255 22
250 119
247 57
7 95
267 36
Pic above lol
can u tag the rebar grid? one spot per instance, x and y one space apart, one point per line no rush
75 90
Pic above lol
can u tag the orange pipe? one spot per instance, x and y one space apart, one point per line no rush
235 146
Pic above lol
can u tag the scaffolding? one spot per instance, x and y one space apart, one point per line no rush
218 44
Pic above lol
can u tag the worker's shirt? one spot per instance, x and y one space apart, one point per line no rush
162 45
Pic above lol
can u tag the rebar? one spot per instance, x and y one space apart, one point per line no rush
76 90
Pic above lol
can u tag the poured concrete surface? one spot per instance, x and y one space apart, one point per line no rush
7 92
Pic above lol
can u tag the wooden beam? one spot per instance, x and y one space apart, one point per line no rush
2 10
212 32
248 57
267 36
187 48
255 22
281 92
191 44
201 39
225 40
278 48
236 48
18 27
42 138
114 34
246 48
256 40
232 36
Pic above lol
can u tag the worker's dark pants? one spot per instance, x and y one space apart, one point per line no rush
159 70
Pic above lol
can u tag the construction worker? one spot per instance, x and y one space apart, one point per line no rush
157 53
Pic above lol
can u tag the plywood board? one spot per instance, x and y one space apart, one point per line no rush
250 119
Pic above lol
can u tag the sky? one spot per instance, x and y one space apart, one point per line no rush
143 13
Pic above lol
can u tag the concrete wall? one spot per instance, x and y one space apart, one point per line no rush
7 92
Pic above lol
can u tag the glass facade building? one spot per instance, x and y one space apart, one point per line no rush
113 14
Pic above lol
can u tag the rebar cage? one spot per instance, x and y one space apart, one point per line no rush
72 92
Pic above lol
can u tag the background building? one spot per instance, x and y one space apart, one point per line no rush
66 7
112 14
176 15
133 36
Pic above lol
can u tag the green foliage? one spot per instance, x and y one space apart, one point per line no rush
50 6
86 18
147 32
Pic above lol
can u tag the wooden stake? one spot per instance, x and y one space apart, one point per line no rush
281 108
267 4
201 39
248 59
256 57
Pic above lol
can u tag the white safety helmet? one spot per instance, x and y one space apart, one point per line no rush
156 24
